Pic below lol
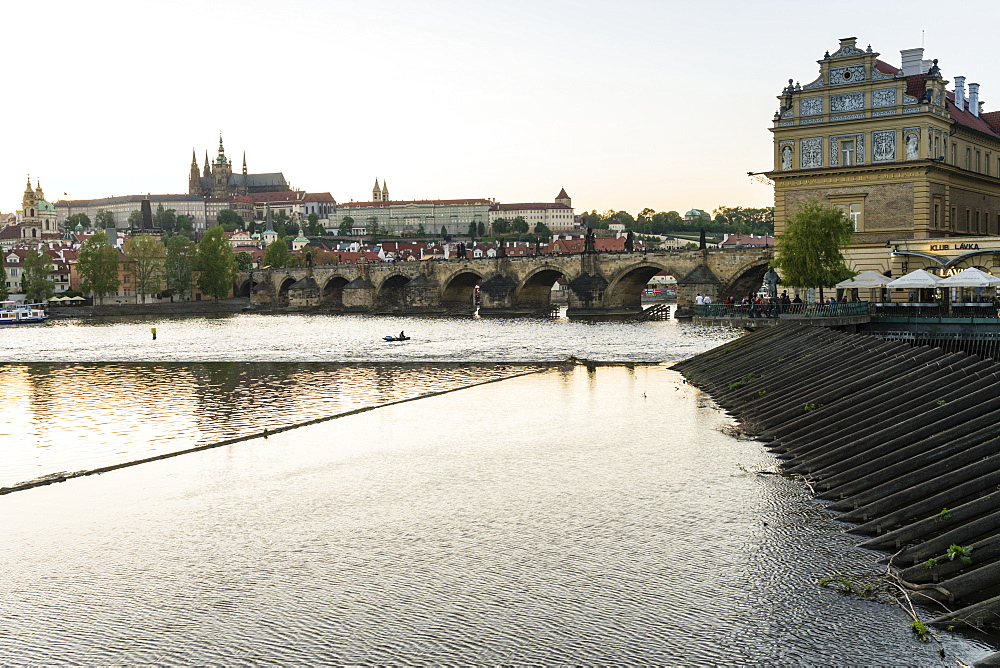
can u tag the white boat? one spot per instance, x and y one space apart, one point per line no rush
15 313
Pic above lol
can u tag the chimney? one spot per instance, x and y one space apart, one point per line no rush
912 60
974 99
960 92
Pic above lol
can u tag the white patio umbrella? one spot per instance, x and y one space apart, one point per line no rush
866 279
970 278
914 280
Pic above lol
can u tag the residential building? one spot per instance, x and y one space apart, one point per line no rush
408 217
557 215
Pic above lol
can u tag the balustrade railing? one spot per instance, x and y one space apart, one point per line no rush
842 309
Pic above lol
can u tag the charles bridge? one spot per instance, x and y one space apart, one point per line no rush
599 285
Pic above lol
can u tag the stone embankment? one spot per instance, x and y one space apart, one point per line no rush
903 442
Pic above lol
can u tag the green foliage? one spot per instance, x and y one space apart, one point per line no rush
930 564
963 554
276 254
105 219
313 228
147 255
229 220
165 219
244 261
346 226
920 631
134 220
97 265
501 226
943 515
420 230
472 230
179 265
444 231
481 228
811 407
808 253
81 219
941 402
542 230
183 223
36 279
4 292
846 586
519 225
216 262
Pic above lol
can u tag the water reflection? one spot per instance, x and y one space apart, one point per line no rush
71 417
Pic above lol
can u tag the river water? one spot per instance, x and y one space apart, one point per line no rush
494 505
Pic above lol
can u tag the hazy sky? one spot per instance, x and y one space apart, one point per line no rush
626 104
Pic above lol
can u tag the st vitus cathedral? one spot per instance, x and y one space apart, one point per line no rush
217 180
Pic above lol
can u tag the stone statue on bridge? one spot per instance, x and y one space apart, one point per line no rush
590 241
771 280
629 242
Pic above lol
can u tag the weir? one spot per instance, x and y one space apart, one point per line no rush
902 441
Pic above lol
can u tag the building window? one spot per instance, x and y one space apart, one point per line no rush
979 167
937 215
968 158
954 154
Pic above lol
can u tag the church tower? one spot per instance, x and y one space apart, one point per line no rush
29 203
376 192
385 191
194 178
221 171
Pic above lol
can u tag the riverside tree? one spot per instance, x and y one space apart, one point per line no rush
808 253
179 265
147 255
4 292
216 263
276 254
97 264
36 279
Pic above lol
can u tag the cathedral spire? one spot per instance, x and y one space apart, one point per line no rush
208 170
244 163
194 159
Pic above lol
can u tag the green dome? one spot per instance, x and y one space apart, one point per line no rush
45 206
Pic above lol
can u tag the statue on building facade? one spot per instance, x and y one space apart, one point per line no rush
786 157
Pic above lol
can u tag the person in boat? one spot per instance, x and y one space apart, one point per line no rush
402 335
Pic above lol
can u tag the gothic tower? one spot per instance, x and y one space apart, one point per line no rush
221 171
563 198
194 178
385 191
376 192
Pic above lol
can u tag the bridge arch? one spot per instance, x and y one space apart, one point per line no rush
746 279
389 296
283 284
244 288
460 288
332 292
625 288
535 291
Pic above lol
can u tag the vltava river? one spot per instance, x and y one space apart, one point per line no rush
535 513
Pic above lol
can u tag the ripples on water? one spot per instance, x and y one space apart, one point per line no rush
569 517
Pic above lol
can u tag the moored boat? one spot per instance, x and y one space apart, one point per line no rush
14 313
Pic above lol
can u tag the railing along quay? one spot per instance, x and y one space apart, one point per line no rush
745 311
901 440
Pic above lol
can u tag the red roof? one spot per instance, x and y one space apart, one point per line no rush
319 197
916 85
285 196
965 118
529 205
885 68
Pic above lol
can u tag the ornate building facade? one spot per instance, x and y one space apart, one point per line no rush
217 180
36 217
903 156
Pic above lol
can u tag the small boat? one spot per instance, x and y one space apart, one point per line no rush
395 338
14 313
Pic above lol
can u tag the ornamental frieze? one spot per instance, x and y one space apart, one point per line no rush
811 153
884 146
847 102
884 97
846 75
811 106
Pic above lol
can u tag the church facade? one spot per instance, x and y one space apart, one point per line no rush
36 217
907 159
218 181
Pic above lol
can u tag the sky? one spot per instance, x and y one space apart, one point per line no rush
626 104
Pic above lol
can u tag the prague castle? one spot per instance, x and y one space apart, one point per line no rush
217 180
905 157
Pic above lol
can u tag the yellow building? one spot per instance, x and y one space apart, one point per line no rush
913 164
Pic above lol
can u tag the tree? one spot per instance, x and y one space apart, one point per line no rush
229 220
291 228
472 229
542 230
134 220
313 228
501 226
106 219
420 230
4 292
244 261
184 223
276 254
147 255
81 219
346 226
519 225
444 231
216 263
481 228
808 252
165 219
179 264
36 279
97 265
